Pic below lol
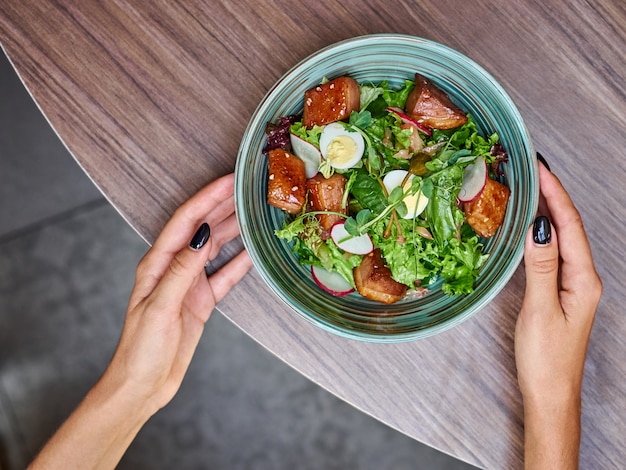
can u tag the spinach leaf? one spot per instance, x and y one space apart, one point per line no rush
443 215
378 107
368 192
360 120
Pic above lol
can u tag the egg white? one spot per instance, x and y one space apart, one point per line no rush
330 134
415 203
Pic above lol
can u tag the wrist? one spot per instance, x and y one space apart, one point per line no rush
552 430
99 431
122 397
551 414
552 398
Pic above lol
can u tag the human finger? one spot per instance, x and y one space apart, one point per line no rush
541 262
157 259
184 268
226 231
217 195
577 260
230 274
191 214
543 206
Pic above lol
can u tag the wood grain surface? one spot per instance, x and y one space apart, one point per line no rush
152 99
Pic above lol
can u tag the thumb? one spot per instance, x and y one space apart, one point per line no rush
541 260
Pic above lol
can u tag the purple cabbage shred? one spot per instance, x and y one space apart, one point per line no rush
278 133
499 152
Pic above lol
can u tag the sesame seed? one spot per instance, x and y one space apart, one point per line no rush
272 177
295 188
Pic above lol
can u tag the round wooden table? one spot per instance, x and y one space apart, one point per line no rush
152 99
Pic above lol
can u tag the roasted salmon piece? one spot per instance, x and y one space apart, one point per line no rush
326 194
286 186
432 107
485 214
333 101
373 280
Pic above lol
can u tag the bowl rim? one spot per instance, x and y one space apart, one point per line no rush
517 251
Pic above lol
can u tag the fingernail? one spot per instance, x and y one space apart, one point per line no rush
543 160
201 237
542 232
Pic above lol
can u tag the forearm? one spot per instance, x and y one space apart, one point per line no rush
98 432
552 433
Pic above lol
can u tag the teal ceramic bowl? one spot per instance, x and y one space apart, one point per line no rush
393 58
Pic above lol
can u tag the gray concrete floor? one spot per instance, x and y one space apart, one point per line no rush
67 263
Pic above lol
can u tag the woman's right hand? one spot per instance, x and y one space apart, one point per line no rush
563 290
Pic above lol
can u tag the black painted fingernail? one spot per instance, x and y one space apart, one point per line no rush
542 232
201 237
543 160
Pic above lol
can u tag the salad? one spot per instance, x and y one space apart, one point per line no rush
387 189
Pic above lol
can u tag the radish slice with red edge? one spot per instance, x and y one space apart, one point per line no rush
331 281
409 120
308 153
358 245
474 180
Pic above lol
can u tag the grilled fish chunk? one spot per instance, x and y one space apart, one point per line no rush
326 194
485 214
432 107
373 280
333 101
286 186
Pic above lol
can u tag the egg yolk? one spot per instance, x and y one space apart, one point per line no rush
341 150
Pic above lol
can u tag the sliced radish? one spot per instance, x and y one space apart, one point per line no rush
331 281
308 153
358 245
474 180
409 120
